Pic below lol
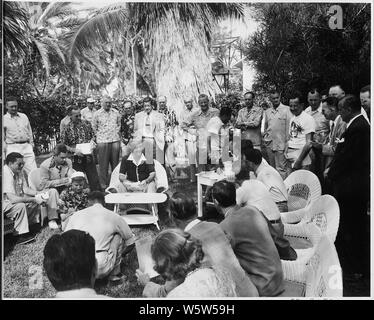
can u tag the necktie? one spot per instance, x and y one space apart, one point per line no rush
332 132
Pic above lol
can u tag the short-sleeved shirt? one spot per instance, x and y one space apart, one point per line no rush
80 132
17 128
250 238
102 224
14 182
73 200
254 118
200 119
87 114
300 126
322 124
277 123
127 128
107 125
136 172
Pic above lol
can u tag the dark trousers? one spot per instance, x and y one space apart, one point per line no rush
87 165
108 153
353 238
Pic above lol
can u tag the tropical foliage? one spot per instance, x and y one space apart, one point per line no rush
294 47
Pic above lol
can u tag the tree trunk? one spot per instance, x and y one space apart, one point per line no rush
133 64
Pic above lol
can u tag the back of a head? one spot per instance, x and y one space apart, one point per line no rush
225 112
224 193
60 148
351 101
12 157
69 260
176 253
97 197
182 207
254 156
297 95
331 101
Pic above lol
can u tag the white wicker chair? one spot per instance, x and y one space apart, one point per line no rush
295 271
294 216
303 187
325 214
323 271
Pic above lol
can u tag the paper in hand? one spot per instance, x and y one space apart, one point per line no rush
143 250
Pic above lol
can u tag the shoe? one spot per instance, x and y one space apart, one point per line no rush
25 238
53 224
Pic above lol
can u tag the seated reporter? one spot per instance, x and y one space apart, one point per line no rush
178 257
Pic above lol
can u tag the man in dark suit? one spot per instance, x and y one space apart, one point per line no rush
350 177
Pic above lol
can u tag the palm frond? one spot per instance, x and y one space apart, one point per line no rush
55 47
70 22
97 28
55 9
43 52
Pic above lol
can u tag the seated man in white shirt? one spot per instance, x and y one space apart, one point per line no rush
70 264
113 237
270 177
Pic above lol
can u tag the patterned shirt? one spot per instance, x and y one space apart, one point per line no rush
64 122
252 119
73 200
170 122
17 128
74 133
107 125
127 128
277 122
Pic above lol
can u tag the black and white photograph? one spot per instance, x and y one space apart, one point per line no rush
186 150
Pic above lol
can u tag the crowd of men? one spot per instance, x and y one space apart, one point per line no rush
329 136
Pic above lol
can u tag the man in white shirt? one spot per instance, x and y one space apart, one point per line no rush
88 112
269 177
302 128
113 237
18 136
70 264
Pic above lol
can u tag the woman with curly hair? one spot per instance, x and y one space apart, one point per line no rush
178 257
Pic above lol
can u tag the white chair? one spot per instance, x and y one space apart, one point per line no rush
325 214
303 187
34 181
295 271
294 216
323 272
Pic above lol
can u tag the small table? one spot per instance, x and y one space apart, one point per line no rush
140 198
207 179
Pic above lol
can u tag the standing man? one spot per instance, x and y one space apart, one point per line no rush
88 112
302 128
127 126
190 140
365 99
197 126
171 123
55 172
350 177
18 135
321 133
337 91
149 125
106 124
66 120
277 122
80 131
337 128
17 190
249 120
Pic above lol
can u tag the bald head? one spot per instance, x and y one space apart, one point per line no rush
336 91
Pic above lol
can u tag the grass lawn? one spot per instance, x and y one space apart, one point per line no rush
24 263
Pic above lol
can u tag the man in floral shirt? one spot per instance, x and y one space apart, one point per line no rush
106 124
80 131
302 128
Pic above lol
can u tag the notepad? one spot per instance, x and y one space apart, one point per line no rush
85 148
143 250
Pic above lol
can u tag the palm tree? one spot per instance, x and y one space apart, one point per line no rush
173 36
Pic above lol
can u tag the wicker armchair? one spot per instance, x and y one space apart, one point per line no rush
303 187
